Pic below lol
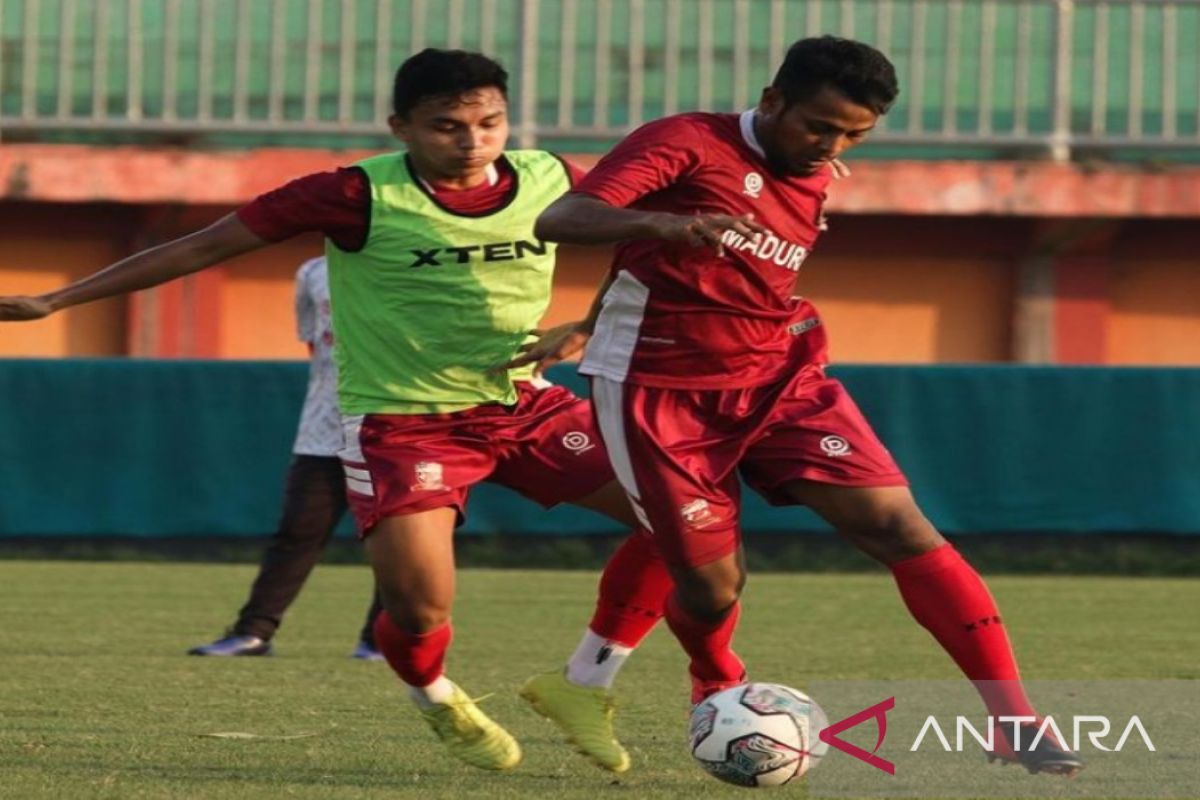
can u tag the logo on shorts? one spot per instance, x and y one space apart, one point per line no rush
803 326
835 446
752 184
429 477
697 513
577 442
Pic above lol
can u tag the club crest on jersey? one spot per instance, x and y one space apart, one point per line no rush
835 446
577 442
698 514
768 247
752 184
429 477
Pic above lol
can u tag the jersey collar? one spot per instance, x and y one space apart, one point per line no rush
490 172
746 122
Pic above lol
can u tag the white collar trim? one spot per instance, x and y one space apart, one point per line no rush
746 121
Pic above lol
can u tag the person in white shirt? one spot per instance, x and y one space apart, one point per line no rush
314 497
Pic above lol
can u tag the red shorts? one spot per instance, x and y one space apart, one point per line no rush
677 453
545 447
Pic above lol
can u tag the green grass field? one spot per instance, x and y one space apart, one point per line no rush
98 700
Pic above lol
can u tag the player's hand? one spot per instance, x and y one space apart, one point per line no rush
554 346
16 309
706 230
839 169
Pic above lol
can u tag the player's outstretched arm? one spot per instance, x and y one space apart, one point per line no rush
225 238
582 219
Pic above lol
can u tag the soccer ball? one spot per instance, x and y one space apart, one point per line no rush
757 734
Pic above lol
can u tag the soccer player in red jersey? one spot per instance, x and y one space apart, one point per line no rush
435 279
705 366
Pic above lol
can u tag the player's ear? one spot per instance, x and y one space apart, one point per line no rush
772 103
399 127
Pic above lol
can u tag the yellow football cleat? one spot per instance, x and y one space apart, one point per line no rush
471 735
584 713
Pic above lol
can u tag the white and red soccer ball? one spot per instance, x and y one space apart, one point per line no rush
757 734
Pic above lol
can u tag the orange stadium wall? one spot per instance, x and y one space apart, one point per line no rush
924 262
929 303
892 289
35 257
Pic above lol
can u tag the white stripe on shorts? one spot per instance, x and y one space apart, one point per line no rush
355 472
351 449
607 398
358 479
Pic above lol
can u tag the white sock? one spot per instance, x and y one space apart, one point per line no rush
596 661
438 692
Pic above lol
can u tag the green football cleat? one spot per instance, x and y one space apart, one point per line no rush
584 714
471 735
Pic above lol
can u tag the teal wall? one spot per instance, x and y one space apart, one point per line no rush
151 448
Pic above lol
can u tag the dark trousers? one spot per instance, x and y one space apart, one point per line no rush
314 501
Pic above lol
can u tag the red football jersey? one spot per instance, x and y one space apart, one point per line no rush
684 317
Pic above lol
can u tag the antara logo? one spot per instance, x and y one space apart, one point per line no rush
1023 736
496 251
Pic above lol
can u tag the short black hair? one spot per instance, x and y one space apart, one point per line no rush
444 73
857 70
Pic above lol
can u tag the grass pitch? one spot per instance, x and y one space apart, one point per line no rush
98 700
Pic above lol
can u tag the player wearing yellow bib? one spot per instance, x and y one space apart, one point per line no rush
436 298
436 281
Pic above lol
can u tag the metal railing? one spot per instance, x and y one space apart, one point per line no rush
1053 74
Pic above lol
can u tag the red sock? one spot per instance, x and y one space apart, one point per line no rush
418 658
714 664
947 596
633 591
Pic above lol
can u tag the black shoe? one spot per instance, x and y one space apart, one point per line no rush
234 645
1046 756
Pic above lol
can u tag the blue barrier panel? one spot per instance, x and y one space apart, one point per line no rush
182 448
1016 448
145 448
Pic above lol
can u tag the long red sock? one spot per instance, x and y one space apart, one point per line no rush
947 596
418 658
714 665
633 591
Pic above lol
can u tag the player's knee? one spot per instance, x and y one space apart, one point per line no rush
710 596
420 619
711 606
909 528
414 615
892 531
892 519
